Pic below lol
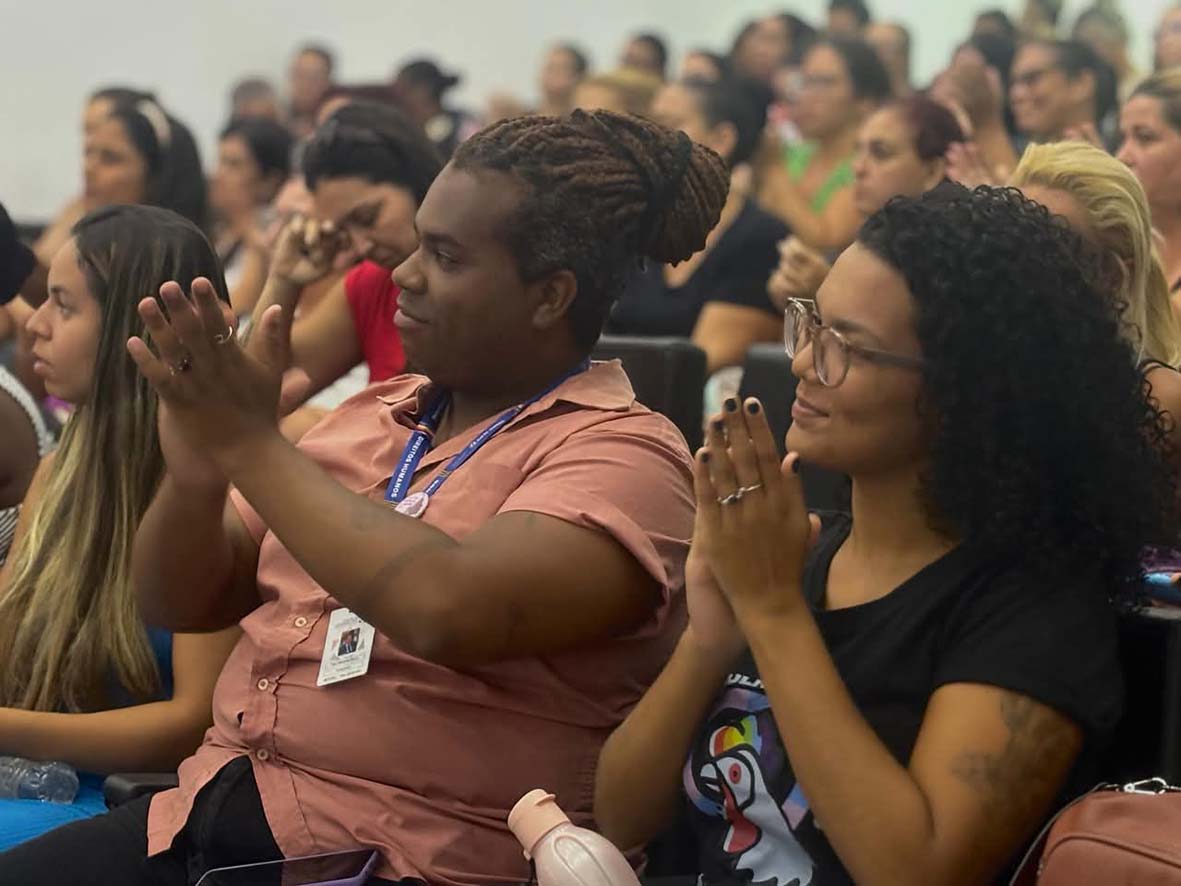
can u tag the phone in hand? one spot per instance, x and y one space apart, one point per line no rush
351 868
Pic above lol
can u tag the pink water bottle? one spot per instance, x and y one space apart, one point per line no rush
566 855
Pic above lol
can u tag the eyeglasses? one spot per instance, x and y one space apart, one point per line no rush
830 349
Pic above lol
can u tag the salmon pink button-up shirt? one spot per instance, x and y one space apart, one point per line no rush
415 759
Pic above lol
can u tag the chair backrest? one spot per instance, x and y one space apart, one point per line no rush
1147 741
766 374
668 375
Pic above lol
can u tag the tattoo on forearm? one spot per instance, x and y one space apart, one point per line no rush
1017 782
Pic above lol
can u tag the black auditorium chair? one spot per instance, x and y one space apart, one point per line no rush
766 374
1147 741
668 375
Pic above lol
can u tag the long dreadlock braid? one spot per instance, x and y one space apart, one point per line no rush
603 191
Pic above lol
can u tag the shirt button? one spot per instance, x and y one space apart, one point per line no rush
263 754
264 684
301 622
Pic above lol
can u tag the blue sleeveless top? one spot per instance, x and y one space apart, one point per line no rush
161 643
22 820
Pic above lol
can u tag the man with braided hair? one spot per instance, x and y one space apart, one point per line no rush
506 534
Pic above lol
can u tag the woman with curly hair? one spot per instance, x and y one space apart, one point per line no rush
899 696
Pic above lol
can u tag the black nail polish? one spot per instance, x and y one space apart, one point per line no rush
705 458
753 407
719 425
795 466
731 405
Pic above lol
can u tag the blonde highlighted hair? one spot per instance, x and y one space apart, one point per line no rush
1120 227
70 630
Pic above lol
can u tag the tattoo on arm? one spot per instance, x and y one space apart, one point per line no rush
1021 779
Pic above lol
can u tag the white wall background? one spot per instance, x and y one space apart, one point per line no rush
191 51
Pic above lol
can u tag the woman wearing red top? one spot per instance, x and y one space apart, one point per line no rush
368 168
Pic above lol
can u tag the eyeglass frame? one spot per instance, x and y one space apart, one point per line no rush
806 308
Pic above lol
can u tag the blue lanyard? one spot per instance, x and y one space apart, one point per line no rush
423 439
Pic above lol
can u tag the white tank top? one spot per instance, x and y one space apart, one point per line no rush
10 385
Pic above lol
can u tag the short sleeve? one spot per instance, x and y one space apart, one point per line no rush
1058 645
629 477
751 257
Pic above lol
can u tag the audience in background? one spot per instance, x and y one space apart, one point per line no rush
565 66
1061 88
702 64
976 84
368 169
883 683
765 45
1167 39
253 163
1105 204
811 188
646 53
625 91
141 154
847 18
309 78
891 41
995 22
136 154
420 89
103 101
1150 125
901 152
98 108
717 297
1103 28
84 680
255 98
1039 19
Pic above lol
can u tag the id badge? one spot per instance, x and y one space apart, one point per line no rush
347 649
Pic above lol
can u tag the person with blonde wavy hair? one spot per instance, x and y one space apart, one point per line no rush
84 679
1107 206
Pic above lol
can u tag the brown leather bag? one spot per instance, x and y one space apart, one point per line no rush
1117 834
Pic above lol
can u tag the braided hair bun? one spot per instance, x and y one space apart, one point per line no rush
601 192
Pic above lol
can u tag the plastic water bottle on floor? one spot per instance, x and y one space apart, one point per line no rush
22 779
563 854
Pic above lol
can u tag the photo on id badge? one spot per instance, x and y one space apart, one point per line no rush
347 648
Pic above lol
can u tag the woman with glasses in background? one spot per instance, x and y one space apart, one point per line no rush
876 697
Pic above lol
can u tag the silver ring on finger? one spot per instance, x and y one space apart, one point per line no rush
181 366
737 495
223 338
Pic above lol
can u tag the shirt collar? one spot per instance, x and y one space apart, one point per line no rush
605 386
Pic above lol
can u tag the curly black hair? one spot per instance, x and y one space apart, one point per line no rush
1046 448
601 191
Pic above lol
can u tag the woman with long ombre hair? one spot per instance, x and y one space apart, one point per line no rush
85 681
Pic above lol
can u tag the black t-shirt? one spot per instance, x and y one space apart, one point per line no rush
956 621
735 270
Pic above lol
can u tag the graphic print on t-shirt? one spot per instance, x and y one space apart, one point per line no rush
740 778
